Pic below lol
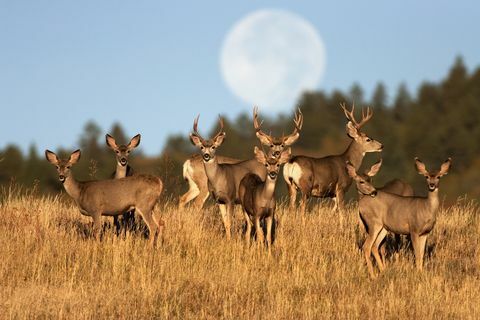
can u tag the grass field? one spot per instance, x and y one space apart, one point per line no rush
51 268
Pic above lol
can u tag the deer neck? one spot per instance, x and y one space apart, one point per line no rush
354 154
121 171
268 189
212 168
433 199
72 187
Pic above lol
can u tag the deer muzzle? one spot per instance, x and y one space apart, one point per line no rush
61 178
272 175
123 162
207 157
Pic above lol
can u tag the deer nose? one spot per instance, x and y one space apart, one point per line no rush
206 157
61 178
432 186
374 193
272 175
123 162
381 146
276 153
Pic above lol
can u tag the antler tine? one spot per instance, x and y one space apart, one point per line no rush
349 114
195 128
366 115
220 130
255 119
298 119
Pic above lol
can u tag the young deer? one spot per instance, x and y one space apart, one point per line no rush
257 195
111 197
382 212
123 170
327 177
395 186
194 170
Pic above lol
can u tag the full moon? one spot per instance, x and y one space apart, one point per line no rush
270 57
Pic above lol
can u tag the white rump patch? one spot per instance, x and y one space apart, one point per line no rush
292 172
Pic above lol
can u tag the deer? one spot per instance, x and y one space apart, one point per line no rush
395 186
327 177
257 195
111 197
382 212
194 170
122 170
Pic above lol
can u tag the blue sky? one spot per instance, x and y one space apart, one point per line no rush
154 65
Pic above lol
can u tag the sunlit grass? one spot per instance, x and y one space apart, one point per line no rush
52 268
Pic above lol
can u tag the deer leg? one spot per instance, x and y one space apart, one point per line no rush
248 232
269 222
259 231
116 223
292 192
303 205
201 198
381 235
188 196
367 247
224 212
419 243
97 224
339 197
152 225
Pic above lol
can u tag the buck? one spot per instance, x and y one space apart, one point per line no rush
111 197
123 170
194 170
327 177
257 195
382 212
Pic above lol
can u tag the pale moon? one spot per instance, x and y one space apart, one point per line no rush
270 57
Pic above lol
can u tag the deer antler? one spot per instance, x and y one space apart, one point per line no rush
366 115
195 128
264 138
298 121
220 130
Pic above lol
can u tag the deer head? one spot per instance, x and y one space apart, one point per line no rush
207 147
276 144
363 185
353 129
433 177
63 166
122 151
272 164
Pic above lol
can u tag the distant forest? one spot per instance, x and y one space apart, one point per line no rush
438 121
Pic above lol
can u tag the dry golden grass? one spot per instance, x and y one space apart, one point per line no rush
51 268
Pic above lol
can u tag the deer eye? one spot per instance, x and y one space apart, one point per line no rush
283 146
58 167
278 165
362 182
271 146
202 147
213 147
68 167
117 152
368 139
266 165
128 152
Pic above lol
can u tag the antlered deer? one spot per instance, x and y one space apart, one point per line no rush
111 197
258 196
327 176
194 170
382 212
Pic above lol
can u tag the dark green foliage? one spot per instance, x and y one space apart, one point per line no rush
441 120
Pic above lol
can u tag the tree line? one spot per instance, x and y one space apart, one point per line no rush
438 121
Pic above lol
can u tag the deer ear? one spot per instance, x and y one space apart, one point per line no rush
445 167
352 131
351 170
74 157
259 155
134 142
51 157
196 140
285 156
421 169
111 141
219 139
374 169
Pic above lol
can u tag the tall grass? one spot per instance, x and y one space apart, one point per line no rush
52 268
